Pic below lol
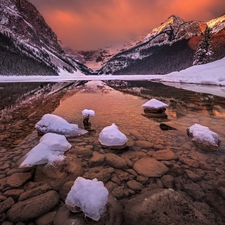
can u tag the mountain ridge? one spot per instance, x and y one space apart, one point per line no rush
26 39
170 37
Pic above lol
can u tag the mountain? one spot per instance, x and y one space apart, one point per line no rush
170 47
28 46
96 58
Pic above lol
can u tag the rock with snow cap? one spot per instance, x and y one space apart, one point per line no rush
204 138
154 105
155 108
88 113
90 196
55 124
50 150
111 136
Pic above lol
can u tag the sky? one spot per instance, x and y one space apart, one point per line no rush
93 24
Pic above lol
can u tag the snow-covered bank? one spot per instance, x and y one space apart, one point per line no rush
209 74
212 74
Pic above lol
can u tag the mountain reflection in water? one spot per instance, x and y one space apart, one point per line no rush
120 102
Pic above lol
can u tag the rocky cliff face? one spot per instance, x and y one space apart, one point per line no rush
170 47
28 46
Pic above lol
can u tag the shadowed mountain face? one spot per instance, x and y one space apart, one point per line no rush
28 46
170 47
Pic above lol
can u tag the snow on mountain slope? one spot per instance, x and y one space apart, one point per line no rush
27 44
217 24
168 48
96 58
173 22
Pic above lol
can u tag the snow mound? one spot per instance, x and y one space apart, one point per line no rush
207 74
49 150
88 113
111 136
204 138
55 124
154 104
90 195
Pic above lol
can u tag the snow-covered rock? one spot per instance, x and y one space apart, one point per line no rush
90 195
154 105
55 124
204 138
50 150
111 136
88 113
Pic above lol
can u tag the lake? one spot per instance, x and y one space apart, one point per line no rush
198 176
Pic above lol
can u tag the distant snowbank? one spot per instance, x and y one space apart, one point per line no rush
209 74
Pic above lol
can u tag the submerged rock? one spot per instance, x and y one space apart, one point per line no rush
96 160
204 138
149 167
111 216
115 161
111 136
55 124
163 207
18 179
164 126
164 155
33 207
7 204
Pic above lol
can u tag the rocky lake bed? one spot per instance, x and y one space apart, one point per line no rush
161 177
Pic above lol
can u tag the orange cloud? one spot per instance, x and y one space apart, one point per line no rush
88 24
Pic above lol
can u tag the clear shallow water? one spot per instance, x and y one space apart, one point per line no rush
124 109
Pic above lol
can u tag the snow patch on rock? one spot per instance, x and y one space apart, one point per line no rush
154 104
111 136
49 150
90 195
204 138
88 113
56 124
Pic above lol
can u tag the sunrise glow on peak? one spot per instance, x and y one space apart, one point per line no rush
158 29
214 22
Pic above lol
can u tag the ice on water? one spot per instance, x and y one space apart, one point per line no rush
56 124
111 136
90 195
49 150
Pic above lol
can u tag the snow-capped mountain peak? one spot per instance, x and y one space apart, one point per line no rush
173 22
27 43
169 47
214 22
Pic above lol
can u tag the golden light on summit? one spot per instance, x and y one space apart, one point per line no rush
158 29
213 22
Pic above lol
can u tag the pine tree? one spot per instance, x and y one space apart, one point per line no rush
204 52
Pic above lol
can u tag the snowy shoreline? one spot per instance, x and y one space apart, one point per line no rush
206 77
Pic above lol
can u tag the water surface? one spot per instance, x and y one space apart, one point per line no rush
120 103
